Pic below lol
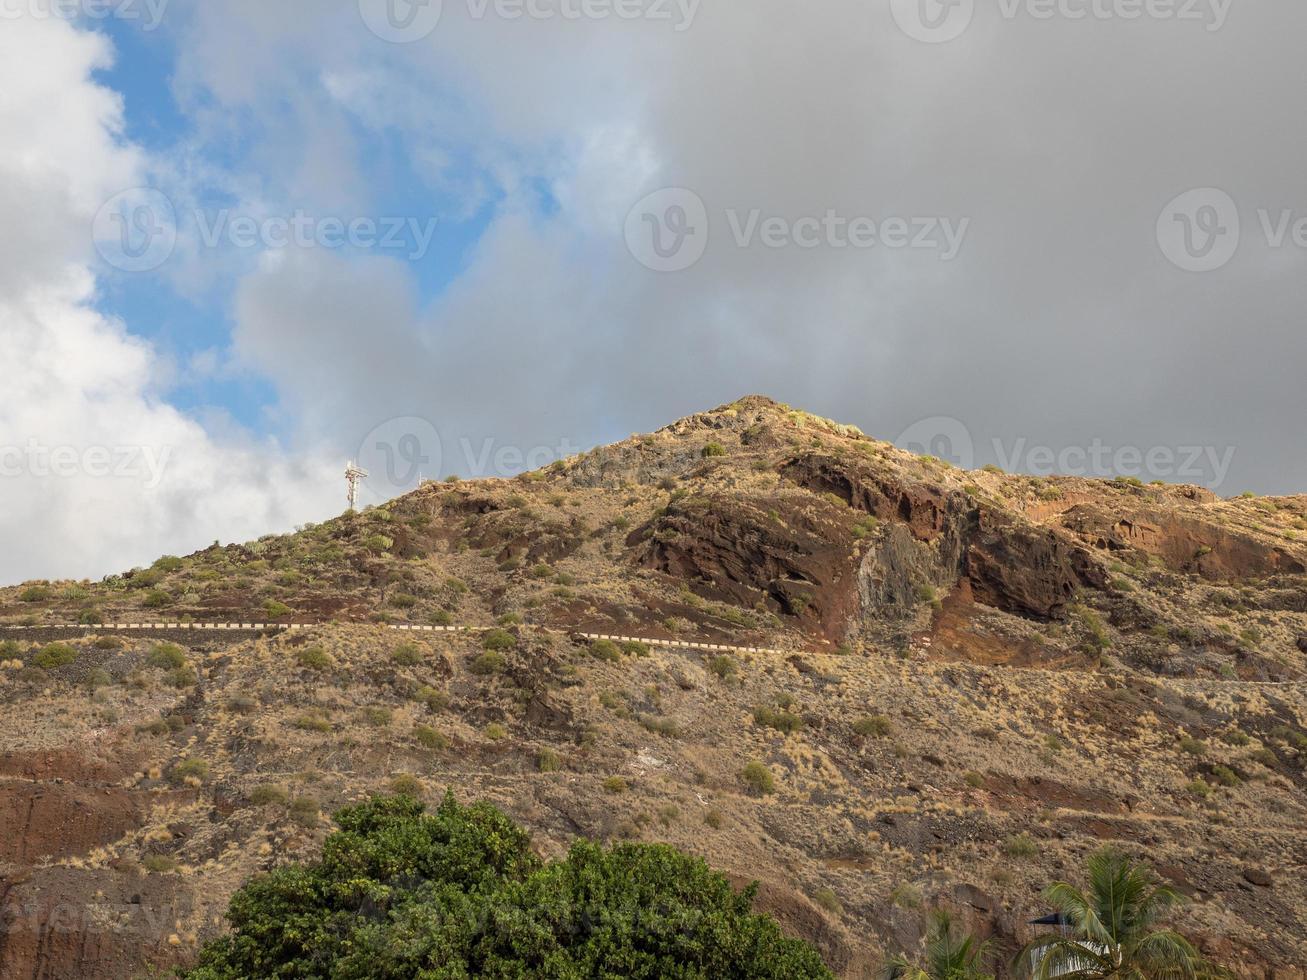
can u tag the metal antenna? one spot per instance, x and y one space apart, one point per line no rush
353 474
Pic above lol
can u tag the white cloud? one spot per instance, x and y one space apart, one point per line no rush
97 472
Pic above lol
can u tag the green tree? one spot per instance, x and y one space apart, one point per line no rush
950 955
1115 929
456 894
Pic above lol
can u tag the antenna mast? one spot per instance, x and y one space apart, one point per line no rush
353 474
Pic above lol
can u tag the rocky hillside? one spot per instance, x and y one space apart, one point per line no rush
980 678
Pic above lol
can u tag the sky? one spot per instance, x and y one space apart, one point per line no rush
242 243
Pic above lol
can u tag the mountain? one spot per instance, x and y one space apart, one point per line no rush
959 685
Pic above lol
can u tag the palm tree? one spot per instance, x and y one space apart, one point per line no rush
1114 929
948 956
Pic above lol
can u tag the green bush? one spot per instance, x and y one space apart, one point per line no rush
1021 846
34 593
313 658
190 768
758 778
713 449
777 718
268 794
407 655
873 726
156 599
605 650
498 640
464 896
488 664
549 761
723 666
168 656
429 738
276 610
55 655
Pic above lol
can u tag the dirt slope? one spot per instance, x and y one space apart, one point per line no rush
982 678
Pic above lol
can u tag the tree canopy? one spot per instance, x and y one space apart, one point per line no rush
458 893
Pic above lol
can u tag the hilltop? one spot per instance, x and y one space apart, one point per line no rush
979 678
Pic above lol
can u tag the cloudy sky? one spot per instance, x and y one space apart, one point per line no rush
244 242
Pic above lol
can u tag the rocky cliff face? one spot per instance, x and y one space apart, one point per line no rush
981 677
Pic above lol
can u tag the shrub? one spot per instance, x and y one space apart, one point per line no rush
156 599
496 732
605 650
615 784
182 677
510 619
667 727
168 564
1225 776
406 784
1192 746
1199 789
434 698
714 819
873 726
441 617
192 768
828 900
55 655
314 721
377 717
722 666
758 779
276 610
429 738
498 640
402 600
779 719
34 593
974 779
145 580
549 761
313 658
1021 845
268 795
444 870
98 678
713 449
635 648
304 811
159 863
168 656
90 617
488 664
407 655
